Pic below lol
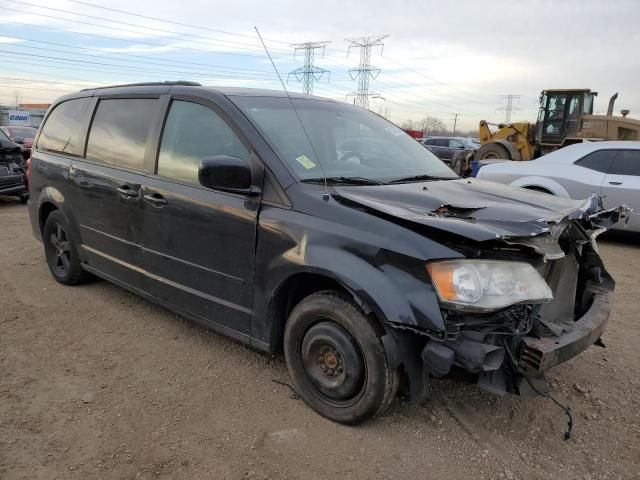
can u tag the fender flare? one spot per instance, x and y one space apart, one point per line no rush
392 294
542 182
49 195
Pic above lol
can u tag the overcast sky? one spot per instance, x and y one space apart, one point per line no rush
439 57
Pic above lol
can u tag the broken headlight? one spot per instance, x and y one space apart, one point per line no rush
484 285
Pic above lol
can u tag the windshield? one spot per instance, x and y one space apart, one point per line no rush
346 141
23 132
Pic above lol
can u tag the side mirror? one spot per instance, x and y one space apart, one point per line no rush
228 174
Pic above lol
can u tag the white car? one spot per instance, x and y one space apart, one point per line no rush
610 169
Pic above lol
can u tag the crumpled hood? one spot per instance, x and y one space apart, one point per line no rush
477 209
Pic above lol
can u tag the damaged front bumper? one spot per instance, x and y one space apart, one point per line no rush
540 354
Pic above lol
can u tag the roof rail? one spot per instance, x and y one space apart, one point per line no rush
183 83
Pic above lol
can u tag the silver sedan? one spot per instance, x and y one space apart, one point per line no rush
609 169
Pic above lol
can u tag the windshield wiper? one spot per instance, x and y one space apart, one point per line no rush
416 178
344 180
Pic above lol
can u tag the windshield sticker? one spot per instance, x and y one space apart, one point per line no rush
305 162
395 131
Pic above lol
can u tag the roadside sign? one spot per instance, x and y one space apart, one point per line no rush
19 117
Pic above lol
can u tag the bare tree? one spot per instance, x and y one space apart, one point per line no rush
431 126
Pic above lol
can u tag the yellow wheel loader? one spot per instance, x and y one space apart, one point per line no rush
565 117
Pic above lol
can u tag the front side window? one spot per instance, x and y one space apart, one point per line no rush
311 145
455 144
554 116
600 161
64 129
627 162
191 133
119 131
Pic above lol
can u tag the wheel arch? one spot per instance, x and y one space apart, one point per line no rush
299 285
50 199
542 183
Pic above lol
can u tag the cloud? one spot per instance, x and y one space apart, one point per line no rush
461 55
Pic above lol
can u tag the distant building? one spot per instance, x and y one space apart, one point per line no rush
25 114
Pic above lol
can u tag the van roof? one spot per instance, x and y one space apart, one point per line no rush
227 91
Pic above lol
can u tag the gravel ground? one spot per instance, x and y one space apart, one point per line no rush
98 383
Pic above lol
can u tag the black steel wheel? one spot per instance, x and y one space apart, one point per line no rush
336 359
60 251
333 362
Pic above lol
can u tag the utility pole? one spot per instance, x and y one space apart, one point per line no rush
508 108
365 71
455 121
309 72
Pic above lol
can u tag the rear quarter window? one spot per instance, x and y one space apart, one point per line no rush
627 162
600 161
65 127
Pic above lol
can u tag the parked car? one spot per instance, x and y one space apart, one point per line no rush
445 148
608 169
13 176
233 209
21 135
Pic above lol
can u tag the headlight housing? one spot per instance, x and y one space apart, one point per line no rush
486 285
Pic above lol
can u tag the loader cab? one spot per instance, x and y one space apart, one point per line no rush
560 112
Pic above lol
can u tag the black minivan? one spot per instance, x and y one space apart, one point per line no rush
242 210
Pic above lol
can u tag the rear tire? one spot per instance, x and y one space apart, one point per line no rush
24 198
492 151
336 359
61 252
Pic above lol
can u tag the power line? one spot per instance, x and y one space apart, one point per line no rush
508 108
433 79
218 69
365 70
118 39
164 31
309 72
173 22
132 68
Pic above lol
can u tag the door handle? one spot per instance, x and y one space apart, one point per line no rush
127 191
156 200
615 183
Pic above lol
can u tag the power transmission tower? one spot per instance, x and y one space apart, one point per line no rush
508 108
455 121
365 70
309 72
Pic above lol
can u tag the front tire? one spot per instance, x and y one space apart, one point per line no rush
492 151
61 252
336 359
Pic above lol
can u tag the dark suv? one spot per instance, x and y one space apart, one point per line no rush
234 208
13 174
445 148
